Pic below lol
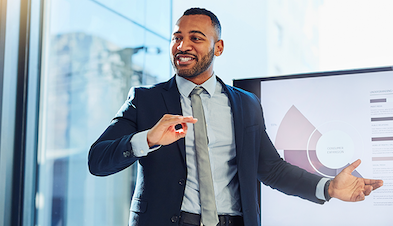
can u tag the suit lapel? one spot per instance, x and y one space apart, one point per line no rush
237 113
171 98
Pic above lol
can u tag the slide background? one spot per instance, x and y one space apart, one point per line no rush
341 99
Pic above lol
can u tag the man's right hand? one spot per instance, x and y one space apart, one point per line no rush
164 131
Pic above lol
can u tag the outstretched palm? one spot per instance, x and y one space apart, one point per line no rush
347 187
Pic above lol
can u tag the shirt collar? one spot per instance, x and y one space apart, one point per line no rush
185 86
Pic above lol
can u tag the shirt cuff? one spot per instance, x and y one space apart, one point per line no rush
320 191
139 144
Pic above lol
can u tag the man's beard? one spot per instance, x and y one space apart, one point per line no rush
201 66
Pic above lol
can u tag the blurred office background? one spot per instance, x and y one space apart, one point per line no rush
66 67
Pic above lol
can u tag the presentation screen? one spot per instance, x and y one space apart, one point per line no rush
323 122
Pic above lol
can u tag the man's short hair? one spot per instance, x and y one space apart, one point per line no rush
200 11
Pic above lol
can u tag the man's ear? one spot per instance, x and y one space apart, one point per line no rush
218 47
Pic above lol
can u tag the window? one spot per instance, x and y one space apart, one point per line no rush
93 52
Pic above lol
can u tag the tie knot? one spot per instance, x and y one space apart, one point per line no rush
197 90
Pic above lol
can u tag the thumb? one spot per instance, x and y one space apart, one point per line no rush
352 167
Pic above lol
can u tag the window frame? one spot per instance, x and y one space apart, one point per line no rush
19 86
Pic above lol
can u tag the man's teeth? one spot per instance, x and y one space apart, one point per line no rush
184 59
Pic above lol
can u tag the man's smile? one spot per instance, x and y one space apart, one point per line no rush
185 59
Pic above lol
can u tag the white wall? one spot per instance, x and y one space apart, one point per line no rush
352 34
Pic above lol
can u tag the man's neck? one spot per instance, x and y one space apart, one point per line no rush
200 79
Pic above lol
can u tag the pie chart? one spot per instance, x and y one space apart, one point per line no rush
325 149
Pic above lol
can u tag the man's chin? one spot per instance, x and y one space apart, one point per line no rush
186 73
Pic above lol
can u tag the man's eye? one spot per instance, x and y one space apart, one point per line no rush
175 38
196 39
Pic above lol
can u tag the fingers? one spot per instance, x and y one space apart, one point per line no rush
367 190
184 128
172 120
181 132
377 184
164 131
374 183
360 197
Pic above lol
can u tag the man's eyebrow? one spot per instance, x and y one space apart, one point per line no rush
196 31
193 31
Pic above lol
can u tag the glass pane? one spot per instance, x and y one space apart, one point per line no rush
132 9
157 60
92 57
152 14
157 18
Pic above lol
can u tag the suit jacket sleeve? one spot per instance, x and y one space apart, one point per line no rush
289 179
281 175
112 152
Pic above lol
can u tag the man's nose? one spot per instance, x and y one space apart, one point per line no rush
184 46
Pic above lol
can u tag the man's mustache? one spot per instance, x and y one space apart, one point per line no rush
185 53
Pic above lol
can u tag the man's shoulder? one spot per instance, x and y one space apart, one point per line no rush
158 87
236 91
162 85
242 94
240 91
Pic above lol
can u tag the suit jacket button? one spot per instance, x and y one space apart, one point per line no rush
182 182
126 154
174 219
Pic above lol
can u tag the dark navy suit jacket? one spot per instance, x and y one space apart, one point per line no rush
162 174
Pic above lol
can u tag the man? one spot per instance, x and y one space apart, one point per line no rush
154 129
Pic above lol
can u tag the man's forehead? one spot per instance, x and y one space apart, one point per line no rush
195 17
194 24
